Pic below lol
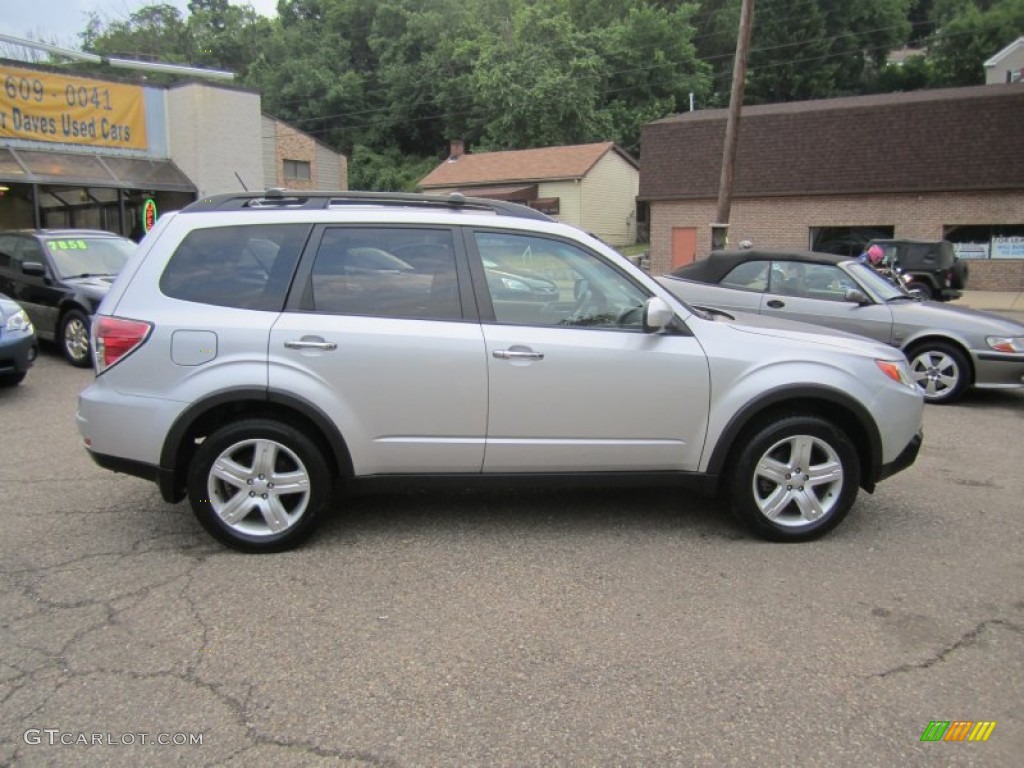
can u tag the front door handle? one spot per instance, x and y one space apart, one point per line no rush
518 354
776 304
330 346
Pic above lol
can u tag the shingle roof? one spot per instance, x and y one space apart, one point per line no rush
951 139
524 165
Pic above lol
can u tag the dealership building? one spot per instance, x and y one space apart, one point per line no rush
94 152
832 174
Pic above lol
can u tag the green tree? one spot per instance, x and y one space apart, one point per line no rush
790 55
968 33
154 32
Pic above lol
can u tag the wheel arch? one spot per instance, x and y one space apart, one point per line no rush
829 404
205 416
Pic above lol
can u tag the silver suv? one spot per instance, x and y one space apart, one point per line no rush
258 348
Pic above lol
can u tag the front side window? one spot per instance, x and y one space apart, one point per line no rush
245 267
380 272
828 282
537 281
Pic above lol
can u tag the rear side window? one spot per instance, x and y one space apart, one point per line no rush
246 267
377 272
750 276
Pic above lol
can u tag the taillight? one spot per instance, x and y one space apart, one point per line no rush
116 338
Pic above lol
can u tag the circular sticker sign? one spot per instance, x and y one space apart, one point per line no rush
148 214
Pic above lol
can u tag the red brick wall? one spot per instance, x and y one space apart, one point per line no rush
295 145
785 222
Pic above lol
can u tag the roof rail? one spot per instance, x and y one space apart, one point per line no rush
293 199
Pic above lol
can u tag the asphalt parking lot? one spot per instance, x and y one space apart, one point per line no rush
557 628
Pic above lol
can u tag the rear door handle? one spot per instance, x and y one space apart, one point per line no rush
330 346
517 354
776 304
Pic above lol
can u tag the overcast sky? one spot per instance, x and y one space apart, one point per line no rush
62 20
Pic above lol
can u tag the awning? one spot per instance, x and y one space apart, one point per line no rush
30 166
513 193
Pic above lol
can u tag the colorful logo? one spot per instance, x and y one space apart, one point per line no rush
958 730
148 214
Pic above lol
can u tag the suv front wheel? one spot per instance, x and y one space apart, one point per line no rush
74 338
795 479
258 485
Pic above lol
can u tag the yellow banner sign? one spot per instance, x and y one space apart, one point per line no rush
42 106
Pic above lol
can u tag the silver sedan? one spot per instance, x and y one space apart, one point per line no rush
950 348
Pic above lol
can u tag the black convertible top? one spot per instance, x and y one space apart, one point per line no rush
720 263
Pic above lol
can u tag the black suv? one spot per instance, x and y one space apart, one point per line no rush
59 277
929 269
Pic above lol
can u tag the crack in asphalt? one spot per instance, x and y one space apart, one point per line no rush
967 639
60 667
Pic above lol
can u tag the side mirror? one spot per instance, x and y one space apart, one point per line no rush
33 268
657 315
855 296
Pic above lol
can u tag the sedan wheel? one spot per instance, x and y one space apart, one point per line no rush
795 479
940 372
74 335
258 486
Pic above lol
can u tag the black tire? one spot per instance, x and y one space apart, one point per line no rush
239 505
794 479
12 379
918 288
73 337
940 370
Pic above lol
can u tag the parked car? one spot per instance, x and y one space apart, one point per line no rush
254 385
17 343
950 348
929 269
507 283
59 277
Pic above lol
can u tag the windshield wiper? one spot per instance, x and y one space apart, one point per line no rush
88 274
903 297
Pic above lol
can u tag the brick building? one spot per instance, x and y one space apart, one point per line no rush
832 174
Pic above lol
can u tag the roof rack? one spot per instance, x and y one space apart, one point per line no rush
293 199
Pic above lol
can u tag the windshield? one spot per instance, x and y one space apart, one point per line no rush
875 283
89 255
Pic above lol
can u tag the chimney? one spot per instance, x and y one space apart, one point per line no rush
458 149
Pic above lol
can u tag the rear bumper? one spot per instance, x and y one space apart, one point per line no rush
164 478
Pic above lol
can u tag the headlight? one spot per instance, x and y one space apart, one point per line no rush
897 370
1006 343
18 322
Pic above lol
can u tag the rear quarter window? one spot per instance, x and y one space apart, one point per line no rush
245 267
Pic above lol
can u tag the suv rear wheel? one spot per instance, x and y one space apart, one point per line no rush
258 485
795 479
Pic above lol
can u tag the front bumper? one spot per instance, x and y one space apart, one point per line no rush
17 352
998 370
907 457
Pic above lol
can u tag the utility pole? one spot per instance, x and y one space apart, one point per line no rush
720 229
